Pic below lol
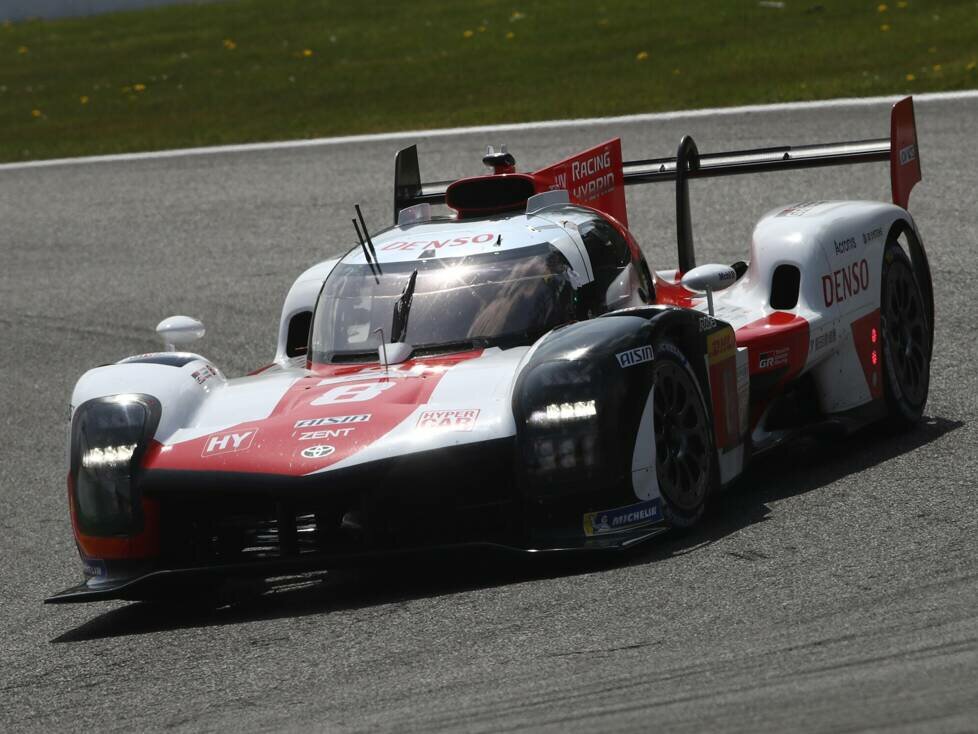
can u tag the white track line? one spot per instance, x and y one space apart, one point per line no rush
483 129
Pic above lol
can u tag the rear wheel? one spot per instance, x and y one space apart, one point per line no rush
906 339
685 459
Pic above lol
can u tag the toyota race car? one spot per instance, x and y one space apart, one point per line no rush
511 374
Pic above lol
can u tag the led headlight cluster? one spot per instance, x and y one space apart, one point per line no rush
563 412
108 436
563 436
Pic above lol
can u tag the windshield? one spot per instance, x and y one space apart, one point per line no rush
501 298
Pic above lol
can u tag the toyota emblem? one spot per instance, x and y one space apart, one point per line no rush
317 452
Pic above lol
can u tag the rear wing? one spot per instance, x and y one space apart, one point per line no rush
900 149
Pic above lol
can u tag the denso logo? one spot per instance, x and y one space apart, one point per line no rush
478 239
846 282
227 442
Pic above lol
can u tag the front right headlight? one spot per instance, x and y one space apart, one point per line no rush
108 438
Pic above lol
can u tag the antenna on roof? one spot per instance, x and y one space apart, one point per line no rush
366 252
366 234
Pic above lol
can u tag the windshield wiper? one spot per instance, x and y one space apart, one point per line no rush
402 309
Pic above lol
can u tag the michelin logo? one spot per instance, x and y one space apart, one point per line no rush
622 518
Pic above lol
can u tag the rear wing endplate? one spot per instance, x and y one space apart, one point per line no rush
900 149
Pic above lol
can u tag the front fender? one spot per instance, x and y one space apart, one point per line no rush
180 385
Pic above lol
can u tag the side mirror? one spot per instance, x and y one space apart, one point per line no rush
179 331
709 278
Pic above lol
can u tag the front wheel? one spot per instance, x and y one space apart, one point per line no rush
906 339
685 459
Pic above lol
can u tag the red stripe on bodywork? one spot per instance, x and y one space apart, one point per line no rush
673 294
778 336
146 544
276 444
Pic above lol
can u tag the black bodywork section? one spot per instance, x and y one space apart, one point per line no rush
592 457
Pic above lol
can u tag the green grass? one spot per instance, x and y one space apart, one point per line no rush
257 70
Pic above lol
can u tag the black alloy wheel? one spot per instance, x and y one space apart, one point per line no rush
906 338
684 454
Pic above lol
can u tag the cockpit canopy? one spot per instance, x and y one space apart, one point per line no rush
500 295
501 298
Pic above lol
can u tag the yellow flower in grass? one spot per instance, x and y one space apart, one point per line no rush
972 65
881 8
910 77
467 33
36 113
307 52
22 49
885 27
139 87
642 56
229 44
936 68
510 36
83 99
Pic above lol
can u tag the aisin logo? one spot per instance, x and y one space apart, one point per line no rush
320 451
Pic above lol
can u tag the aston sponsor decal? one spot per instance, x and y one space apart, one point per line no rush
319 451
452 420
635 356
845 283
223 443
332 420
622 518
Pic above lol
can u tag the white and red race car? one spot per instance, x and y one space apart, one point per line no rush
512 374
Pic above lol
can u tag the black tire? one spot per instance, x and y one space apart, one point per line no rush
685 458
906 339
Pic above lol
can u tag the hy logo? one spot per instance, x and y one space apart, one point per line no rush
226 442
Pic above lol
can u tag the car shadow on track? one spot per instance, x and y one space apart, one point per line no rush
795 469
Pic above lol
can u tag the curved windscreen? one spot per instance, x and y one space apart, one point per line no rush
501 298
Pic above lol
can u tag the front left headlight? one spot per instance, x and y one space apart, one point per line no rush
108 438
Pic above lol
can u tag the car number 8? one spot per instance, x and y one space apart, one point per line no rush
358 393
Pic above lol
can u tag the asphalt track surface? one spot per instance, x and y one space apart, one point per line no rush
834 589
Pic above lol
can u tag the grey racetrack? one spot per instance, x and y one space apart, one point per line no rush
834 589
